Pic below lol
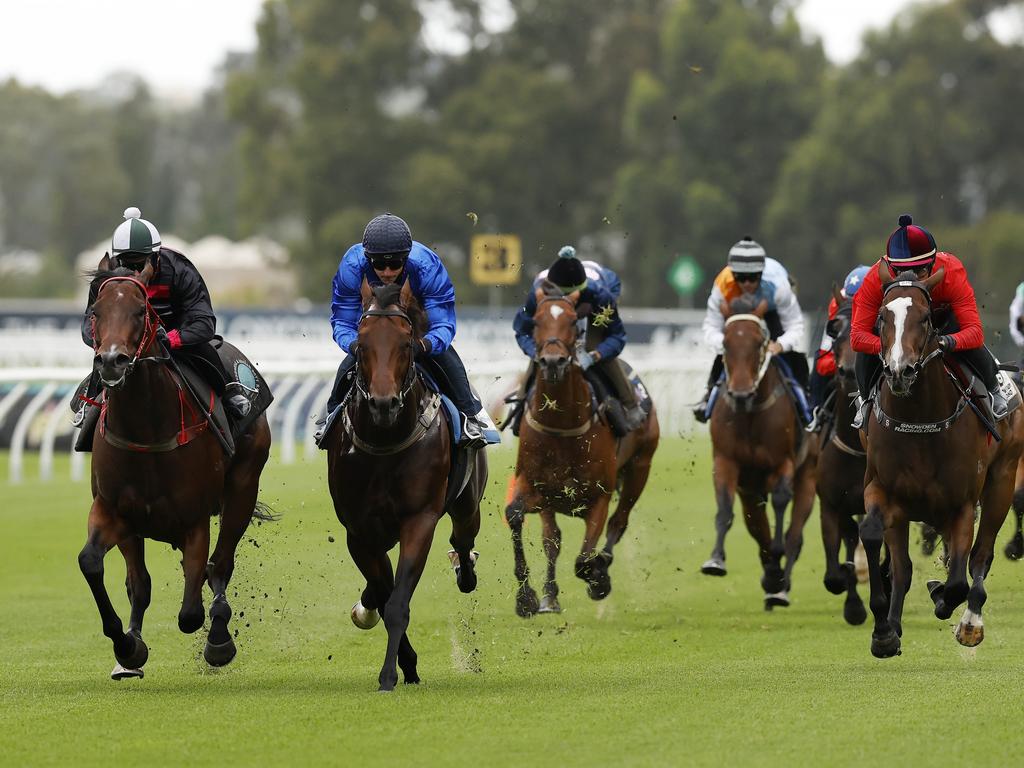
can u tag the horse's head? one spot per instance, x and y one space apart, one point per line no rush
909 340
838 329
745 344
389 333
124 323
555 330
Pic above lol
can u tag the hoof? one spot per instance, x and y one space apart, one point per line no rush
713 567
773 581
776 600
1014 549
885 646
364 618
466 582
219 655
835 583
549 604
190 622
599 590
854 612
971 630
135 660
121 673
527 604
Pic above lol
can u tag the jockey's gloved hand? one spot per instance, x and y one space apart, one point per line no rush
585 359
161 337
422 349
947 343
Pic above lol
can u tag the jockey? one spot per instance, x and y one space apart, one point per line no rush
388 254
750 271
912 248
823 374
1016 319
180 297
605 338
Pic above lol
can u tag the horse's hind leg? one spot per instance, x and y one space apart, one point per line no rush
526 599
195 552
949 596
831 538
104 533
552 547
755 516
1015 546
853 609
633 479
241 489
591 565
726 477
465 514
774 582
803 503
995 502
137 583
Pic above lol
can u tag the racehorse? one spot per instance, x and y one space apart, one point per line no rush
156 476
759 449
388 472
930 460
840 476
569 461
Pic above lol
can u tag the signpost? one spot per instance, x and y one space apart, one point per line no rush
495 259
685 275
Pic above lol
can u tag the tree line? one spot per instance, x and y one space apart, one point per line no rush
639 130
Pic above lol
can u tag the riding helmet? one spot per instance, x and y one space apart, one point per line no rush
910 245
134 235
746 257
387 234
567 272
853 280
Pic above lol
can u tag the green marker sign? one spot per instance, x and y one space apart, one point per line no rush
685 275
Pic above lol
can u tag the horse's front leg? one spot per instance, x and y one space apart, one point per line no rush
947 597
781 495
897 538
414 546
1015 546
552 547
803 503
853 609
195 552
884 641
726 474
592 565
527 603
139 586
104 532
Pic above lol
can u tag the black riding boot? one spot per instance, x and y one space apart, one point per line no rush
982 362
206 360
615 374
701 407
867 368
450 374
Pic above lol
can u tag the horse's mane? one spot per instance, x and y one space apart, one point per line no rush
744 305
389 295
97 276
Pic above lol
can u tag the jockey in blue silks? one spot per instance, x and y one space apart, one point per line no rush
388 254
599 289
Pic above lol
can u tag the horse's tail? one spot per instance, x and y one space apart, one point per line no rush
265 512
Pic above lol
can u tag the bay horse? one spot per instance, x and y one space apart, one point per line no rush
388 472
759 450
569 461
840 474
157 476
930 460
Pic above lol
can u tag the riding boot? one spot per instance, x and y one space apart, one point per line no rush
700 409
86 418
984 364
236 401
342 382
615 373
451 376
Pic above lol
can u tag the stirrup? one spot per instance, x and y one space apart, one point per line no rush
472 433
999 405
700 411
861 413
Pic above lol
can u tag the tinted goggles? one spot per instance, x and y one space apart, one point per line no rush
387 261
747 277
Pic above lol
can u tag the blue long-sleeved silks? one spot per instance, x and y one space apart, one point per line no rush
429 282
599 297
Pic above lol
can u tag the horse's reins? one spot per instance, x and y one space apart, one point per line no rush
765 358
426 417
185 434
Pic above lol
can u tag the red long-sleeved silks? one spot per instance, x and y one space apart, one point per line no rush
954 291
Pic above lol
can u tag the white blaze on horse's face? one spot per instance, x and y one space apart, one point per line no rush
556 311
899 308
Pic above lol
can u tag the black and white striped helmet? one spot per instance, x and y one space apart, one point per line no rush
746 257
134 235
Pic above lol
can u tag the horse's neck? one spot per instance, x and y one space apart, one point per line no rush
146 407
563 404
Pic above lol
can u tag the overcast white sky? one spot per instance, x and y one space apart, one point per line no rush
176 44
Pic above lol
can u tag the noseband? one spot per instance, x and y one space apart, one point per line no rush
410 375
152 322
554 340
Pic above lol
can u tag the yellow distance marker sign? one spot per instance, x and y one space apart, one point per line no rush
495 259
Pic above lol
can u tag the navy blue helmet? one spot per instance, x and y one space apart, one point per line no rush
386 234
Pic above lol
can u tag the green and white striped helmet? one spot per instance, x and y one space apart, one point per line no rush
134 235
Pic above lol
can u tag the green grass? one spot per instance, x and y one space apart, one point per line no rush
673 668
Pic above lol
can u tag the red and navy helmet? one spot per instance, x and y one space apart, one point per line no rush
910 246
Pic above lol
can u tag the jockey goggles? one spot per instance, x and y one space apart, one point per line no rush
388 261
747 277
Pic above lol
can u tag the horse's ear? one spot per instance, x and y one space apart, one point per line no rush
935 279
837 294
538 294
762 309
104 265
406 297
883 274
573 297
365 293
147 273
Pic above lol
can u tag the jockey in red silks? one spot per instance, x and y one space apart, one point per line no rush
824 371
912 248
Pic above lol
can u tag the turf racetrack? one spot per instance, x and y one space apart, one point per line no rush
673 668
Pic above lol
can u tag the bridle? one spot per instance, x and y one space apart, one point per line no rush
149 330
554 340
918 366
410 375
764 355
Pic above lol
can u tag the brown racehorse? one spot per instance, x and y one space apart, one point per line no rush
840 476
160 474
759 450
930 459
570 462
388 472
